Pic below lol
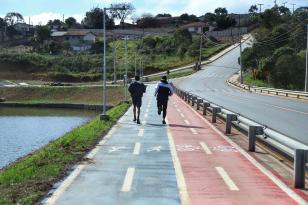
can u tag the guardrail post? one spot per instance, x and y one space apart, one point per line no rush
199 101
230 118
185 96
215 111
188 101
193 101
299 168
205 106
252 132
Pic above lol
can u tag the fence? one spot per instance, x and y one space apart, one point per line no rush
291 148
274 91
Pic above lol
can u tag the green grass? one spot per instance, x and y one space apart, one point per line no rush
173 75
28 180
249 80
87 67
70 94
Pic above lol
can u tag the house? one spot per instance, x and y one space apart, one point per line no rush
197 27
77 40
24 29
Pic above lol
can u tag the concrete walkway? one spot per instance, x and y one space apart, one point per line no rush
187 162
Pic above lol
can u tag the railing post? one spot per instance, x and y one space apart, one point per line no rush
215 111
230 118
252 132
198 103
185 96
205 106
188 101
193 101
299 168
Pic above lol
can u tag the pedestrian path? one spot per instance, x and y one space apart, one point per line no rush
186 162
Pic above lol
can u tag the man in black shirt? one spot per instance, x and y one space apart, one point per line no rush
162 93
136 90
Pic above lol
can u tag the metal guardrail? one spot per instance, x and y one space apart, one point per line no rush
279 92
293 149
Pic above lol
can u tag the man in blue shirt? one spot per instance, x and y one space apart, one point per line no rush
136 90
162 93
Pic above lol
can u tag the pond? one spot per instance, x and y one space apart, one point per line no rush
23 130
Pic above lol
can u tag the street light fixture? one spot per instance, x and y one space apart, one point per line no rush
104 116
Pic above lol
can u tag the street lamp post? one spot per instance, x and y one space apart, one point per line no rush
104 116
240 38
200 52
306 77
125 77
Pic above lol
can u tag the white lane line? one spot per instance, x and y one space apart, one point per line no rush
137 148
184 196
179 110
144 122
194 131
69 180
205 148
186 121
224 175
182 115
128 180
149 106
147 110
145 115
141 131
265 171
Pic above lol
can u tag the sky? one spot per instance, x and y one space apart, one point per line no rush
40 11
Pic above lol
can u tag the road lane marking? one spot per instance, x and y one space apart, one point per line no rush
205 148
182 115
128 180
147 110
194 131
137 148
185 200
179 110
144 122
186 121
145 115
265 171
224 175
141 131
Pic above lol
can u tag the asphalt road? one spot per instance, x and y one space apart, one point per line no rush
287 116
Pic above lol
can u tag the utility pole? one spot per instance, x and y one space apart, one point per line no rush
260 7
240 38
125 76
135 65
114 61
306 78
140 67
293 8
200 52
284 4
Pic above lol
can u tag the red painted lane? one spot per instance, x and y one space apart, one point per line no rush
204 184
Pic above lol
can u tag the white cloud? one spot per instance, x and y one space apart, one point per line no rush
43 18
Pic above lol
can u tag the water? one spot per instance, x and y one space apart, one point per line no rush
23 130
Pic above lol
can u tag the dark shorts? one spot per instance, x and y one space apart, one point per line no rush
137 102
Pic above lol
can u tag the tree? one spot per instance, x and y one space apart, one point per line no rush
222 18
270 18
70 22
3 25
12 18
209 17
42 33
94 19
121 14
56 23
163 15
183 39
189 18
11 31
147 21
253 9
